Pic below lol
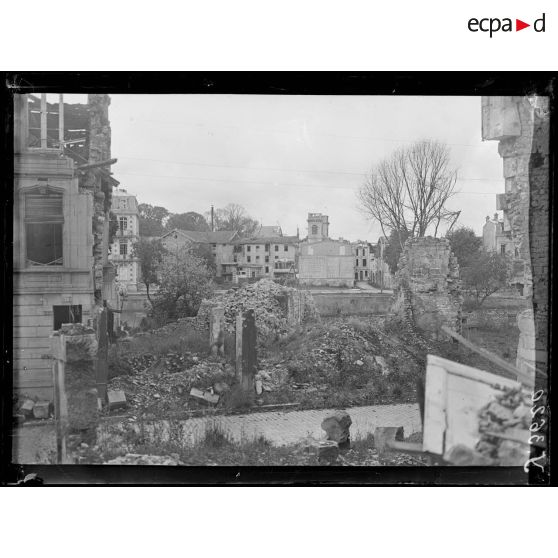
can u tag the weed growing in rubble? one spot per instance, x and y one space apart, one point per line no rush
215 436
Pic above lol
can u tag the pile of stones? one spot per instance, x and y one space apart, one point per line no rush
504 426
266 298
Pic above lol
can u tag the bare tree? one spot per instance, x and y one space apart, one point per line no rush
408 191
233 217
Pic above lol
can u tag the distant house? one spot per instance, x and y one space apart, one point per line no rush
221 244
268 231
126 212
495 238
266 256
364 261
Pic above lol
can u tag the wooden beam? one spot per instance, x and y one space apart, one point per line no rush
521 376
106 163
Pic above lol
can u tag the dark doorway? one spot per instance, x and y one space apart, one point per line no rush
66 315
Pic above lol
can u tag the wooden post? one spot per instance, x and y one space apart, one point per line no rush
249 355
495 359
58 344
238 347
216 333
102 355
43 121
61 120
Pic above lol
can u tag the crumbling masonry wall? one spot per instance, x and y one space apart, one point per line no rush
521 127
428 292
97 181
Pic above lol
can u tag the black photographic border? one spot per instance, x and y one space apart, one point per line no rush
266 83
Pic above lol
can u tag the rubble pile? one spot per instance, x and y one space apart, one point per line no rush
269 301
31 408
340 347
504 426
166 385
191 323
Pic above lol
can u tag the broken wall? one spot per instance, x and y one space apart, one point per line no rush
97 180
428 292
521 127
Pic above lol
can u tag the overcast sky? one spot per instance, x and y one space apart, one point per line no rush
284 156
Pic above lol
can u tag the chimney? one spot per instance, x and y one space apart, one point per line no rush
212 221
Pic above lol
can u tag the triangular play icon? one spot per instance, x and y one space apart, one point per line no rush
519 25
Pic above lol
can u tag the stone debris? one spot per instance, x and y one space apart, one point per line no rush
221 387
506 416
41 409
259 387
204 396
26 408
328 452
267 299
337 427
464 456
116 400
381 362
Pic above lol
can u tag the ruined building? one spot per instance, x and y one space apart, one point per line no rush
510 121
220 244
520 125
62 201
428 290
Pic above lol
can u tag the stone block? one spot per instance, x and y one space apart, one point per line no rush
41 409
381 362
27 408
328 451
337 427
204 396
116 400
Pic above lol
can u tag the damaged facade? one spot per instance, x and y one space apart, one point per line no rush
520 125
219 243
428 291
62 200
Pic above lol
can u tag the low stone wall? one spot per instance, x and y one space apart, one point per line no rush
352 304
490 317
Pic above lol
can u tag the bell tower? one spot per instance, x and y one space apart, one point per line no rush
318 227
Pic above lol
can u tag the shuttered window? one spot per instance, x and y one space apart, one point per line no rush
44 218
44 207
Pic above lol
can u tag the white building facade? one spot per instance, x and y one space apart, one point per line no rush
126 214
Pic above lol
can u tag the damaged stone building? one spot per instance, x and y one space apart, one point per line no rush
428 291
62 202
220 244
520 125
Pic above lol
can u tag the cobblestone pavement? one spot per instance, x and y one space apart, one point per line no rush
288 427
36 444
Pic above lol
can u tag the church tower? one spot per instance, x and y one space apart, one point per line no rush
318 227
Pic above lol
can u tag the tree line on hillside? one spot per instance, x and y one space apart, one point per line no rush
157 220
407 193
